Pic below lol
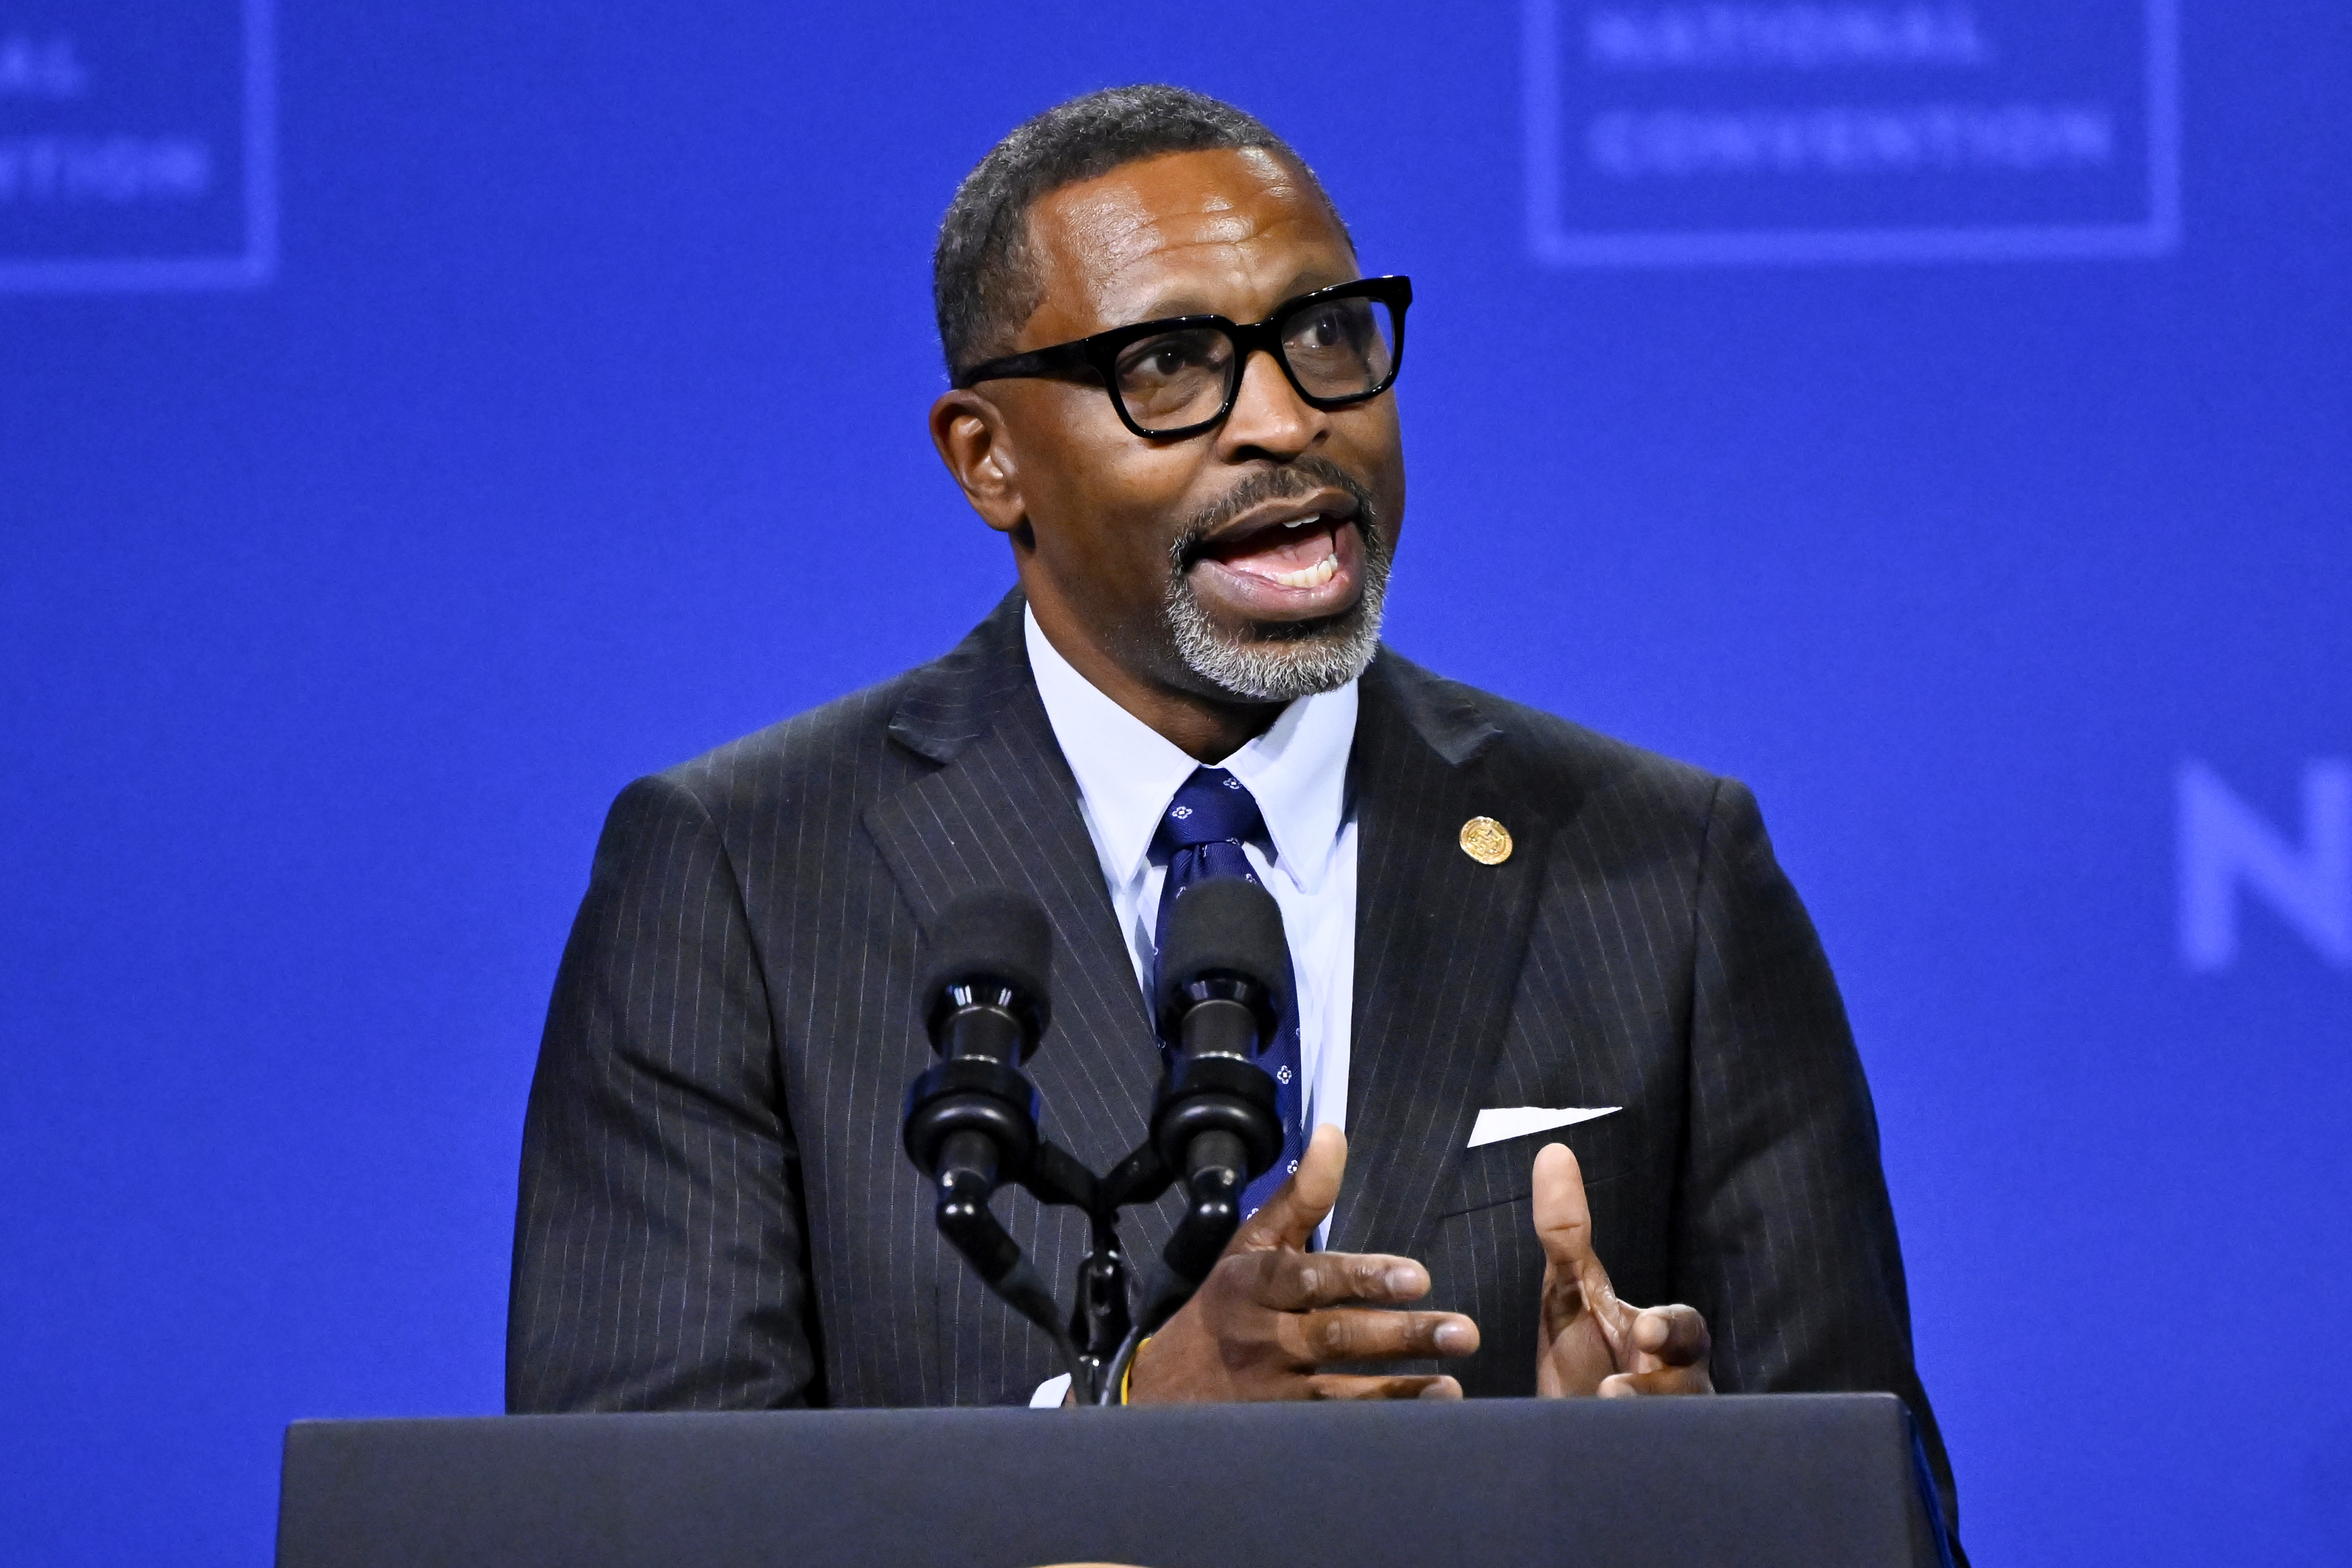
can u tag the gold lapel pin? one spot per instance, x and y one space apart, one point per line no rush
1485 841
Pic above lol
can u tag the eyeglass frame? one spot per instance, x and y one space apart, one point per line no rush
1098 356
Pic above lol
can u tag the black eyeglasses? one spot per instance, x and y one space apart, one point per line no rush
1180 375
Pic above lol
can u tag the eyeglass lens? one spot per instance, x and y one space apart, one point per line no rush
1336 349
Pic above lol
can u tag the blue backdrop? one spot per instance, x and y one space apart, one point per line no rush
415 426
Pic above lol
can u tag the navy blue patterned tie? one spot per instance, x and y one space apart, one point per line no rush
1201 837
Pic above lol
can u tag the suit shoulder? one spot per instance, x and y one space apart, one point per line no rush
1562 747
846 750
1559 755
837 750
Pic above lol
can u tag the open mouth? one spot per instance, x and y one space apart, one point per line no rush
1296 554
1280 595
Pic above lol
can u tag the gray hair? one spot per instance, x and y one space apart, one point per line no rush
983 280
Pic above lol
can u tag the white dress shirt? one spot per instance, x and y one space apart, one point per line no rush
1297 772
1127 773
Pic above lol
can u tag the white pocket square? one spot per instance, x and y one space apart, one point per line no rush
1518 1121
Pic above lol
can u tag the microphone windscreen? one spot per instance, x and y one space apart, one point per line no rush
1224 924
992 934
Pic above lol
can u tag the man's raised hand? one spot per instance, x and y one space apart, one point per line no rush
1270 1313
1588 1341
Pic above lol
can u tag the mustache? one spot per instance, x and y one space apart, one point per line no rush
1300 478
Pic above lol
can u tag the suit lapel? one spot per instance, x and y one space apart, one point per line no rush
1000 809
1440 938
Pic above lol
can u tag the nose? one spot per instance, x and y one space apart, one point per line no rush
1269 418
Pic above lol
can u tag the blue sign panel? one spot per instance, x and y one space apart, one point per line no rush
1695 133
135 145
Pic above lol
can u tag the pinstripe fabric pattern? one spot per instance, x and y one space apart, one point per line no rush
715 1211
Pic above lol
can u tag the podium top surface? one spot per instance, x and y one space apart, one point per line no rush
1811 1479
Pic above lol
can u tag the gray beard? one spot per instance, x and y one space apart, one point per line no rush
1284 661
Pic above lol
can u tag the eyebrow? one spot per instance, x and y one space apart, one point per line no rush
1168 305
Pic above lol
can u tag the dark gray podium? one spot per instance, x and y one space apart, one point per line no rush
1810 1480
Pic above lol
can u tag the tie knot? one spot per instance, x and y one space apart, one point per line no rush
1212 808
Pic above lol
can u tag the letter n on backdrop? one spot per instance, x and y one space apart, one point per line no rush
2227 847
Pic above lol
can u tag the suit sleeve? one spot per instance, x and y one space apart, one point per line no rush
1784 1238
659 1259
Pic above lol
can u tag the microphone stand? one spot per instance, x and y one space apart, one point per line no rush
972 1117
1102 1334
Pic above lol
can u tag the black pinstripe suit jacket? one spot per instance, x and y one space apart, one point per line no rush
716 1213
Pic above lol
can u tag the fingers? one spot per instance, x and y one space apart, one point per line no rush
1563 1219
1290 1281
1672 1347
1271 1313
1667 1381
1673 1337
1288 1218
1335 1385
1587 1339
1341 1334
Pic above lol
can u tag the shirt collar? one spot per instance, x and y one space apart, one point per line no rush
1127 772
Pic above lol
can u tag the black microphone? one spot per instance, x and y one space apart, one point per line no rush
984 990
971 1119
1224 971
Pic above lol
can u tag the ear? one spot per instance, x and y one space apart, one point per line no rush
974 442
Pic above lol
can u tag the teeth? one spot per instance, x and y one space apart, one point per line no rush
1315 576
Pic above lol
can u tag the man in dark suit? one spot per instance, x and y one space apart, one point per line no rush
1502 923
